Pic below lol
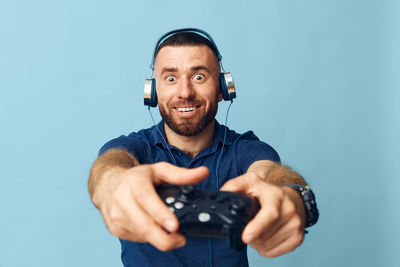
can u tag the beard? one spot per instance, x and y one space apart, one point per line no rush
192 126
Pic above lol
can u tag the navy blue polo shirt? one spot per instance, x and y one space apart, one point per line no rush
239 152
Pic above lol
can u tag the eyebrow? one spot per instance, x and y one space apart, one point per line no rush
200 67
168 70
194 68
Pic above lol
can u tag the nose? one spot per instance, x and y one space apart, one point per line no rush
186 89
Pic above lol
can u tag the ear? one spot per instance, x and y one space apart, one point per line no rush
219 96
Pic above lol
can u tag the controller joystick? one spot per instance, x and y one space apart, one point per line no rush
187 192
210 214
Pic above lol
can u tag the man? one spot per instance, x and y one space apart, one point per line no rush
185 148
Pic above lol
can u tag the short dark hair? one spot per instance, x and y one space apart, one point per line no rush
187 39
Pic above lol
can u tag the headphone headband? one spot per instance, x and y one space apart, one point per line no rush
193 30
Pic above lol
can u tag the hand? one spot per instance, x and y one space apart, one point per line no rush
132 209
278 227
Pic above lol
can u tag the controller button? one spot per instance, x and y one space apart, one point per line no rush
213 207
179 205
237 207
170 200
171 209
187 191
194 206
204 217
222 198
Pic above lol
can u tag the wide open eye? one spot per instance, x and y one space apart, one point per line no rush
199 77
170 79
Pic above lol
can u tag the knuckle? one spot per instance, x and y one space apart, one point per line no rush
143 232
116 195
114 218
253 176
291 209
273 213
297 224
298 239
115 230
113 225
290 248
280 194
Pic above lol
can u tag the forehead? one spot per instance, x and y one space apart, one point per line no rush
186 55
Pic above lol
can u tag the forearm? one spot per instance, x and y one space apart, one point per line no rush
101 174
276 174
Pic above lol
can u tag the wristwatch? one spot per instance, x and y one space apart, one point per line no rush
310 205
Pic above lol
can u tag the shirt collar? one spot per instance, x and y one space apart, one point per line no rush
219 134
158 133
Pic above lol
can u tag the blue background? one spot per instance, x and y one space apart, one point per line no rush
318 80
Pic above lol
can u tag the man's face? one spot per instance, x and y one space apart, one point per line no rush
187 82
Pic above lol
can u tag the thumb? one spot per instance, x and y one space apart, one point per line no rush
239 184
171 174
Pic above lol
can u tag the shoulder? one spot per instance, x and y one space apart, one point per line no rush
232 137
223 133
249 148
132 142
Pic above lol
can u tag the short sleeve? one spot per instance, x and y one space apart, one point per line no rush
133 144
250 149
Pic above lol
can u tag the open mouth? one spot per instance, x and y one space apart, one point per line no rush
187 109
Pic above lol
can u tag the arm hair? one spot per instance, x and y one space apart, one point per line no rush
104 164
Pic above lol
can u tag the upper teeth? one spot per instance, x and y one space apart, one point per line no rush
186 109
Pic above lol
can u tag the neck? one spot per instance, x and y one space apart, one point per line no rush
191 145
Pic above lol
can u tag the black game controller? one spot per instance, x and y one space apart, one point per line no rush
211 214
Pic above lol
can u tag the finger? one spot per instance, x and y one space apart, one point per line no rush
283 241
287 218
238 184
166 172
290 232
164 241
269 217
264 224
151 203
143 228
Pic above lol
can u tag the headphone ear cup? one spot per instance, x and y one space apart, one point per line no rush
223 87
150 93
227 86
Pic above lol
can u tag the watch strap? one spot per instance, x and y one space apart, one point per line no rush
310 205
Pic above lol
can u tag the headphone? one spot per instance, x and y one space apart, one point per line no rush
226 84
